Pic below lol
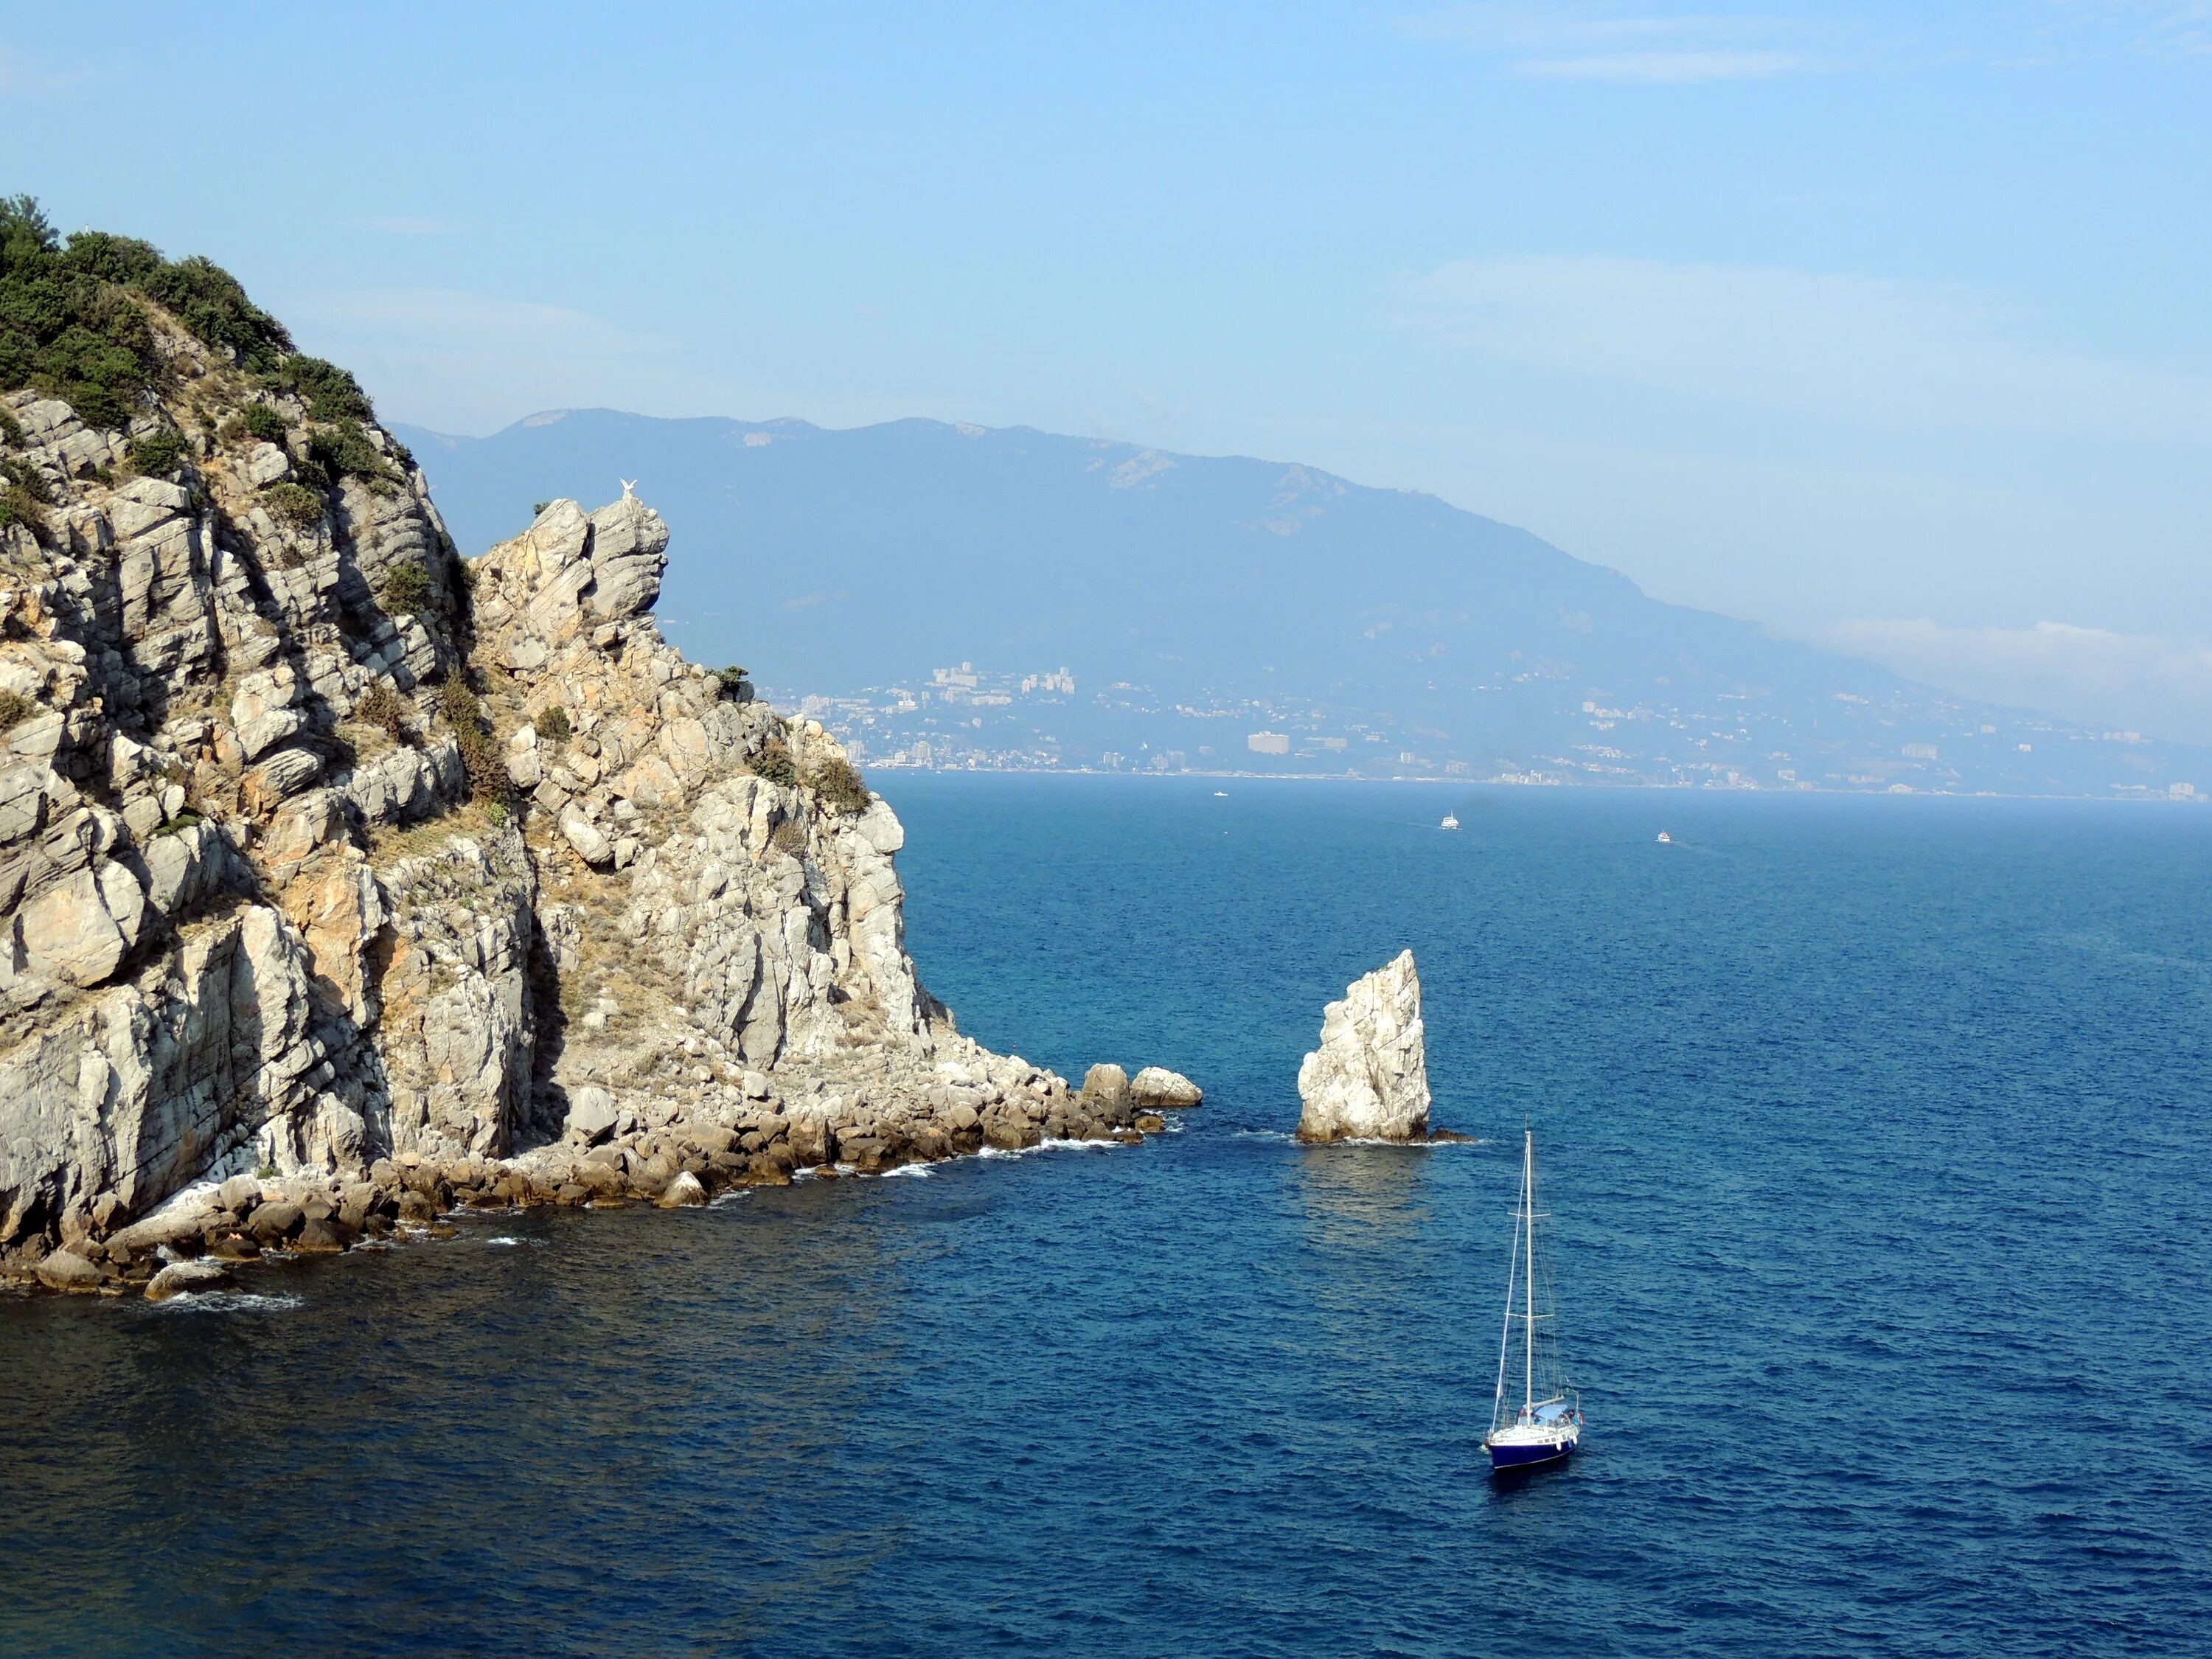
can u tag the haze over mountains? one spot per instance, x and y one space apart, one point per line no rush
958 595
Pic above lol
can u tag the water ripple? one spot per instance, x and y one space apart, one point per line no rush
1881 1223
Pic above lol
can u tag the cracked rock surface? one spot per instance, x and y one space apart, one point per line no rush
343 880
1368 1080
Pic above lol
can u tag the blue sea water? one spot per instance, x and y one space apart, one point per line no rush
1875 1135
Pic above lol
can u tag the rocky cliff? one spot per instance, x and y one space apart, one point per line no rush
1370 1077
384 880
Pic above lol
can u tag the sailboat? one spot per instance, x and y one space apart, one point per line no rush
1547 1424
1451 821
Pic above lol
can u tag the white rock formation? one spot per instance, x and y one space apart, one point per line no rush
683 1192
1370 1077
373 892
1156 1087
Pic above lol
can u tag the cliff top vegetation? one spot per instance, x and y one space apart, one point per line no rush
74 323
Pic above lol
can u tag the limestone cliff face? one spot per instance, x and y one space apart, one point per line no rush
320 849
1370 1077
701 917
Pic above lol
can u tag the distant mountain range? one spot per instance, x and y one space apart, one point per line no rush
959 595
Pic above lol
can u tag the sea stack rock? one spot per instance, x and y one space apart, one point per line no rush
1370 1077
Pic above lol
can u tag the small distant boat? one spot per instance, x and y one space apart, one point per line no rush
1221 794
1547 1425
1450 823
1666 840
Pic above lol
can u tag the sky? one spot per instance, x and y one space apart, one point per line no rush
1881 325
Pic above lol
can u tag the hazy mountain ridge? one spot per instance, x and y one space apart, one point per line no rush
1199 600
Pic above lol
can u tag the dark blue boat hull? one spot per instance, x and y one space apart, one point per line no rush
1528 1457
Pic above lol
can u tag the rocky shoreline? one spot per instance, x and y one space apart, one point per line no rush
405 881
610 1158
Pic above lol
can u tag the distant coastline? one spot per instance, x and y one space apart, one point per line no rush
1050 602
1133 776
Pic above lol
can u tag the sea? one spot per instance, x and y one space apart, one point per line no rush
1876 1137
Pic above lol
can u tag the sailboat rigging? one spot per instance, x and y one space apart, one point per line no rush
1547 1424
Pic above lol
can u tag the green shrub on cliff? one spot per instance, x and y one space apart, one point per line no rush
331 394
552 726
123 260
774 763
407 589
837 785
208 302
344 451
382 706
73 324
63 331
263 422
14 709
293 505
465 715
156 456
23 491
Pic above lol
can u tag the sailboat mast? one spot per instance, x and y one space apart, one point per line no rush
1529 1320
1505 1332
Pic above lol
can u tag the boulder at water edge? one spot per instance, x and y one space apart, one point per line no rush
1106 1085
65 1270
1370 1077
683 1191
1156 1086
183 1277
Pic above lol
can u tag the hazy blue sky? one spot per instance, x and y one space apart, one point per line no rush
1882 323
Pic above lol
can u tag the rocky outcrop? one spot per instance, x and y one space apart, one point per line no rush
187 1279
1106 1084
66 1270
377 881
1370 1077
1156 1089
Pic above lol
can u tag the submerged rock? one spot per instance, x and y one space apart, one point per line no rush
179 1277
1370 1077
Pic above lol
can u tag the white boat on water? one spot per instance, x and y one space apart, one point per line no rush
1450 823
1221 794
1547 1424
1666 840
